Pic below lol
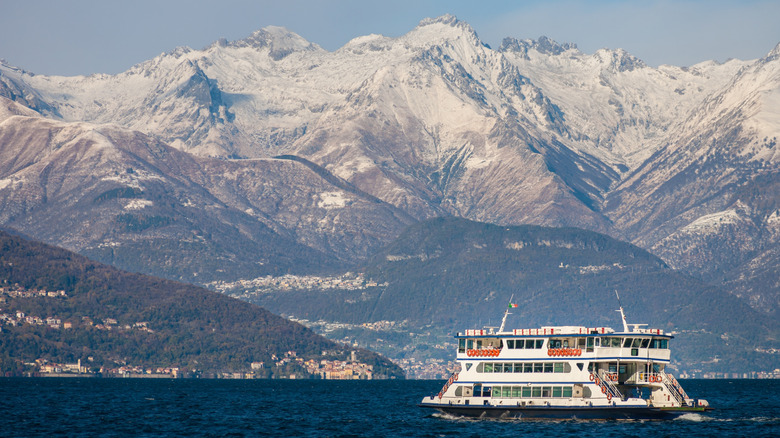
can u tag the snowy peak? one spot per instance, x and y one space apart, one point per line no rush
619 60
279 41
774 54
436 31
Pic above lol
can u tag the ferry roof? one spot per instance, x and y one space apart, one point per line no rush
571 331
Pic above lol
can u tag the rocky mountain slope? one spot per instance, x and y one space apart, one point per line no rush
437 123
128 199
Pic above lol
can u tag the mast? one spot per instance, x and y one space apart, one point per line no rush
622 314
506 312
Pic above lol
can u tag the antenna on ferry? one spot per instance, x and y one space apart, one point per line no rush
622 314
506 312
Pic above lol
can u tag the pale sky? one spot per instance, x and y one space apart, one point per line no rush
70 37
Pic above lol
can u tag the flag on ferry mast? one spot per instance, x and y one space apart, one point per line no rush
511 306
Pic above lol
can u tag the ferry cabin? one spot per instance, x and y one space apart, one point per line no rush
563 366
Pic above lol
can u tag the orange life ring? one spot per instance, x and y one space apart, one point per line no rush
549 352
468 353
592 377
497 352
598 381
609 397
603 389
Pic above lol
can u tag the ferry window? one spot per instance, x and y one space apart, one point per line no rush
565 343
519 343
459 391
566 391
507 367
554 343
477 390
479 344
627 343
548 367
645 343
567 367
498 368
518 367
605 342
528 368
515 391
538 368
536 391
558 367
506 391
526 391
597 341
485 391
622 369
637 343
579 365
510 344
581 343
539 343
557 391
488 367
461 345
615 342
470 344
664 343
546 391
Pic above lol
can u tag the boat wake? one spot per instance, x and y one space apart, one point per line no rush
697 418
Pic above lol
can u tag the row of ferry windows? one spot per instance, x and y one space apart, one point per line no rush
524 367
518 391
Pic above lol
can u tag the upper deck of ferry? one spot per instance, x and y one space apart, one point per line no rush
566 342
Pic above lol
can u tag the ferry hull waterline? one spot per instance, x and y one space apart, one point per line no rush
564 372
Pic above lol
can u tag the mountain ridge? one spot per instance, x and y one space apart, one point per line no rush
436 123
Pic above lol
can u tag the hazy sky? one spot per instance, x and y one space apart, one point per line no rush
69 37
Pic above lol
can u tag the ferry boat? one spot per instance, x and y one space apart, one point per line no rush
564 372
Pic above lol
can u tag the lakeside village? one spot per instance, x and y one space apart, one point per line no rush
350 369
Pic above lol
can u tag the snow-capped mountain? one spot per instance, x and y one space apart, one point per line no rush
123 197
437 123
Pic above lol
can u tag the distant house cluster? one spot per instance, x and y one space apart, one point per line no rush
18 318
46 368
430 369
17 291
347 281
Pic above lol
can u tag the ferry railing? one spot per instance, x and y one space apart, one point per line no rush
604 380
674 388
453 378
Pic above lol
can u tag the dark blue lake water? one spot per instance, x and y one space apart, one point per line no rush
217 408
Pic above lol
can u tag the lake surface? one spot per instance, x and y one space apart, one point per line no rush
219 408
